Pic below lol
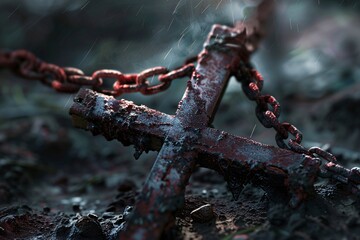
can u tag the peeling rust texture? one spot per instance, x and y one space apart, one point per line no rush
241 160
120 119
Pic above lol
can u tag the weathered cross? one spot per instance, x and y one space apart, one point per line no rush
186 140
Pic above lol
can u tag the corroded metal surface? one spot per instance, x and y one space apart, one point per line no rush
120 119
242 160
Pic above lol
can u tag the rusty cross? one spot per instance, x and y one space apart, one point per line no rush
185 140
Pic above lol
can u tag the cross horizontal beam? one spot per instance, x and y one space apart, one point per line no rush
238 159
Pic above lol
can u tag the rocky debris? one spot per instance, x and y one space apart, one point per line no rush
202 214
23 223
84 227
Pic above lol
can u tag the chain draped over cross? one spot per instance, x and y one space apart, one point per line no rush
70 80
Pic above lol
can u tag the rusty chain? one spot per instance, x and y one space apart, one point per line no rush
268 113
70 80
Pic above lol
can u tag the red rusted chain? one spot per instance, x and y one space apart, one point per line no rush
252 83
70 80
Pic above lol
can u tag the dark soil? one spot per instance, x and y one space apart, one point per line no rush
48 191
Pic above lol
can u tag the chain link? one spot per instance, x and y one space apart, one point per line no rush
268 112
70 80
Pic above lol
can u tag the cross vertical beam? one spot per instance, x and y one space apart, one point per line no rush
163 192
